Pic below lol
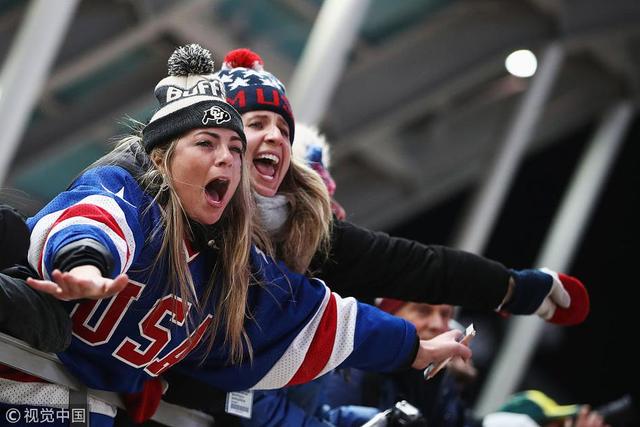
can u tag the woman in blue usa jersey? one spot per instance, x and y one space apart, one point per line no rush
156 238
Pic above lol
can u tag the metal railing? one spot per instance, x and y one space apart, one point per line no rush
19 355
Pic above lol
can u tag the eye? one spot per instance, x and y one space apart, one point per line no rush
426 310
285 132
203 143
237 149
255 124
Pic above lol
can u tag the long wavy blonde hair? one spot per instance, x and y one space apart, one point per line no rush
233 240
308 227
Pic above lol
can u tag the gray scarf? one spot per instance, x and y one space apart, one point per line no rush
273 212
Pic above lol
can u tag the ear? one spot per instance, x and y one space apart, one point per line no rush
157 159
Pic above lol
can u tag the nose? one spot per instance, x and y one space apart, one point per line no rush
438 324
224 157
274 135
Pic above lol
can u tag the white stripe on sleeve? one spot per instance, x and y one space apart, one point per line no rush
285 368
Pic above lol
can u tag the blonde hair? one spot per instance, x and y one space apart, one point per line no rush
308 227
233 242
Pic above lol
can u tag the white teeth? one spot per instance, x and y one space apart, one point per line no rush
268 156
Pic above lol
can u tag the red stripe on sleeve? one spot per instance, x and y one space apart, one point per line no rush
321 347
93 212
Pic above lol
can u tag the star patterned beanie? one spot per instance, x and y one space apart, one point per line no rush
251 88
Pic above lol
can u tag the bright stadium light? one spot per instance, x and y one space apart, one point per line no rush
521 63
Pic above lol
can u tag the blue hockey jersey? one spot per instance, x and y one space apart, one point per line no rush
299 329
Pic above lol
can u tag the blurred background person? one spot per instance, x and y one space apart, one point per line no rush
438 399
545 412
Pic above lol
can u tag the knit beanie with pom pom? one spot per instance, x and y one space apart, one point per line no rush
251 88
190 97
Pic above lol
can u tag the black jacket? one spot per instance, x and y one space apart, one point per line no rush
25 313
32 316
367 264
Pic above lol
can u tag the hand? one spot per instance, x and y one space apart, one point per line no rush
463 371
586 418
80 282
578 309
557 298
440 348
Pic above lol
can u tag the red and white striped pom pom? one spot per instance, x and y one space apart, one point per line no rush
244 58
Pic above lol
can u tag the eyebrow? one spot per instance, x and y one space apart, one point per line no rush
281 121
254 114
206 132
234 138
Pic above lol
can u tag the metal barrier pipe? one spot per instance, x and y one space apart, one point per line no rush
25 70
324 57
480 218
19 355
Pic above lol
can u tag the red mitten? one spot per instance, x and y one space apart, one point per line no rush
557 298
578 309
142 405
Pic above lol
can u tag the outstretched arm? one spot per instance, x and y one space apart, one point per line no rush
300 330
85 240
96 222
85 281
368 264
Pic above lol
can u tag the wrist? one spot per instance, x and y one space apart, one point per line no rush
86 271
508 295
85 252
530 288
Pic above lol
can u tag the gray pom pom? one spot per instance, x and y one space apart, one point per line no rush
190 59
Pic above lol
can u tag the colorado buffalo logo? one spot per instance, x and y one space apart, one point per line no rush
216 115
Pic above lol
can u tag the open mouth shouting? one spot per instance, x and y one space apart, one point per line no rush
216 190
267 165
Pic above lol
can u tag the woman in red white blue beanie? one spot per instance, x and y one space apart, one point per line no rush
295 207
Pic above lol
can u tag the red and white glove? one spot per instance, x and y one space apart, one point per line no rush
556 297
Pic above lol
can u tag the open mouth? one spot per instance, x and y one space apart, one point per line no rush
216 190
267 164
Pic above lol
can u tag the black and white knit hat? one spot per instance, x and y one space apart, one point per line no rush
190 97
